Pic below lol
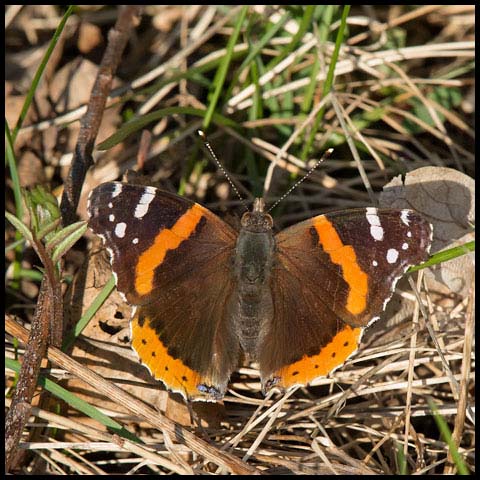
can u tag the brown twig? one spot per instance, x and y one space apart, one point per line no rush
82 159
49 312
138 408
48 319
20 407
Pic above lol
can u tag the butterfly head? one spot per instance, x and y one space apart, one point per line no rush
257 220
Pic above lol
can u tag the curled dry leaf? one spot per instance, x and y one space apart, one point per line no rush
446 198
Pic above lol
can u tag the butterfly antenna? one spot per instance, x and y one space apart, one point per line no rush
220 166
326 154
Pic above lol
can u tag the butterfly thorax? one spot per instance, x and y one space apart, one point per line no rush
252 267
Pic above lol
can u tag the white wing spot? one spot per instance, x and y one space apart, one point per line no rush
110 205
409 234
111 217
404 217
120 229
135 241
392 255
117 190
372 212
405 246
375 263
145 200
376 230
140 210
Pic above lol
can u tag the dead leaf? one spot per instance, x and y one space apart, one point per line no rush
446 198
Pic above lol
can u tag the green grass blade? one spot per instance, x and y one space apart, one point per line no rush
39 72
447 436
255 49
327 86
12 165
445 255
17 195
89 313
77 403
139 123
20 226
323 31
255 112
194 74
223 68
302 29
401 460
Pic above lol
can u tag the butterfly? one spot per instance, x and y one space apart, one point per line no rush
296 301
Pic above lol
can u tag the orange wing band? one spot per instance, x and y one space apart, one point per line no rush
331 356
171 371
344 255
167 239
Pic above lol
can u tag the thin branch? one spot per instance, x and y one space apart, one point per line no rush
137 407
82 160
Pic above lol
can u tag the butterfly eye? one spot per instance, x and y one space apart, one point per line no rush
246 219
268 220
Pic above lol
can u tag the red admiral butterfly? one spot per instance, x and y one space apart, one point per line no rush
296 301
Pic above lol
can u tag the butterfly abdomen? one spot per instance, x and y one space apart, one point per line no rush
252 305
